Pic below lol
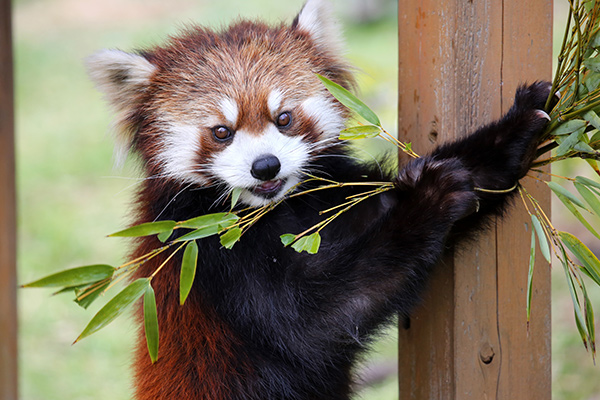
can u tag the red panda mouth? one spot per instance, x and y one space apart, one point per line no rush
268 189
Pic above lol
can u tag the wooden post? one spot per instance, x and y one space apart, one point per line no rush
460 63
8 231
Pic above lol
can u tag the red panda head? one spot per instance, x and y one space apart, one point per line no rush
241 108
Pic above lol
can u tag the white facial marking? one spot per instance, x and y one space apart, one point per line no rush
230 110
274 100
180 147
325 115
233 165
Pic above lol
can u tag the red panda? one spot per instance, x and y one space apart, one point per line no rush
242 109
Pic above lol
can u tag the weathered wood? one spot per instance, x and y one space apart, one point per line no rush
460 63
8 286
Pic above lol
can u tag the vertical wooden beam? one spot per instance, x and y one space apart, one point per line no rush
8 232
460 63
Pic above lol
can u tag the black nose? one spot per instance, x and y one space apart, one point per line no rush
265 167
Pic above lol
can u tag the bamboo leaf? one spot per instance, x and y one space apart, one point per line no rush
559 190
200 233
146 229
287 238
542 240
310 243
569 142
188 270
222 219
229 238
592 118
579 320
588 310
577 214
530 274
595 137
360 132
350 101
589 197
235 196
592 64
74 277
587 259
164 236
569 127
583 147
592 80
587 182
115 307
86 296
151 323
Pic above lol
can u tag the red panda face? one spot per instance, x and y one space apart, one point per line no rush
241 108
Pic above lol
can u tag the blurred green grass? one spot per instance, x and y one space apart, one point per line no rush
69 197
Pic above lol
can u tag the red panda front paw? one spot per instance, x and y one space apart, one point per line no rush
445 186
526 121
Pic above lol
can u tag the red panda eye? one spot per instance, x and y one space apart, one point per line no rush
222 133
284 119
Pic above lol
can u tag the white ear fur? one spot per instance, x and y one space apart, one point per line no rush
316 18
121 77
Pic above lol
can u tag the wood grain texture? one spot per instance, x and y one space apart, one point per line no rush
8 286
460 64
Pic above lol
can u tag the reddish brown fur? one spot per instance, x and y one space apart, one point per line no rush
245 63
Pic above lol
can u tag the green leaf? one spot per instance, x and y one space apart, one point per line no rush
583 147
589 197
74 277
542 240
91 293
222 219
116 306
287 238
592 79
587 259
146 229
360 132
592 118
235 196
579 320
577 214
151 323
567 144
559 190
229 238
200 233
164 236
310 243
592 64
188 270
530 274
595 137
589 319
569 127
587 182
350 101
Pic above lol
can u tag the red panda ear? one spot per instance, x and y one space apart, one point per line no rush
122 77
316 18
